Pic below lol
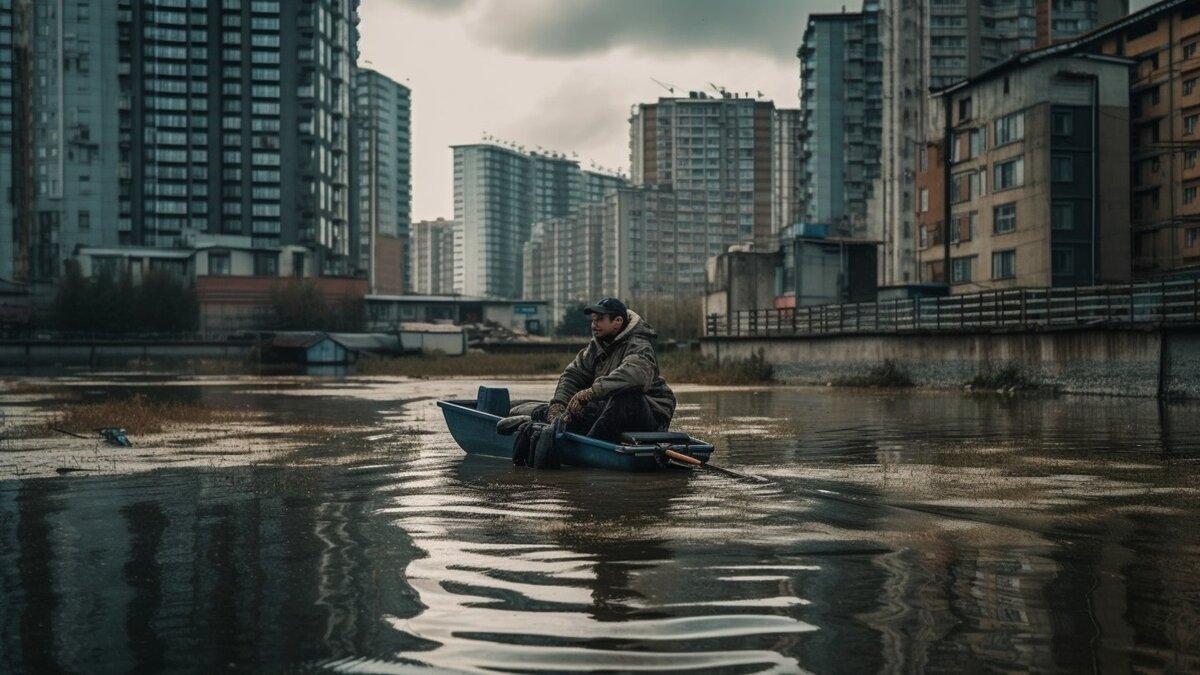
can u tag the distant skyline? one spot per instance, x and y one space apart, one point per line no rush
563 74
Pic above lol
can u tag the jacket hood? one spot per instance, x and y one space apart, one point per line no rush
636 325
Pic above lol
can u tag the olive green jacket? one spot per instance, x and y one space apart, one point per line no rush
627 363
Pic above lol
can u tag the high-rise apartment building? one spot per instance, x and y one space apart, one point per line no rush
234 119
573 259
148 123
891 216
966 37
382 185
842 102
432 257
499 193
787 164
58 131
715 152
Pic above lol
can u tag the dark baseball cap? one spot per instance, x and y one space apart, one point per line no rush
611 306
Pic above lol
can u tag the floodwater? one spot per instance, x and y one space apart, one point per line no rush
882 532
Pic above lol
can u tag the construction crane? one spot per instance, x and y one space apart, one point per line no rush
665 85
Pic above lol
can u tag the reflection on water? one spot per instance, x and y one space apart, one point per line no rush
914 532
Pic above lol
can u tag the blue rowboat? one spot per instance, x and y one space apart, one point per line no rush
475 432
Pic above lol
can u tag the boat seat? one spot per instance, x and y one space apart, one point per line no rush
652 437
493 401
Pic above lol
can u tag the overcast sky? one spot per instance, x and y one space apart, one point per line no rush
562 74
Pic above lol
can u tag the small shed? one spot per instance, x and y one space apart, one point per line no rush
433 337
309 348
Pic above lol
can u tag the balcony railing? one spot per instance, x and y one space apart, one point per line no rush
1157 303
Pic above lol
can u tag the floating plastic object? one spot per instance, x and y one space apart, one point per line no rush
115 436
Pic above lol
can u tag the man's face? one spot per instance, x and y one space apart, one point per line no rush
605 326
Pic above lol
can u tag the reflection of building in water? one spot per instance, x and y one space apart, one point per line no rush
189 571
949 606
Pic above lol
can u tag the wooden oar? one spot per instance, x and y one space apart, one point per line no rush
680 457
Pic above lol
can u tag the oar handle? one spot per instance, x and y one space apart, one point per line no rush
681 457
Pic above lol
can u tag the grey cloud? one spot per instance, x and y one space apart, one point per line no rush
436 6
564 122
578 27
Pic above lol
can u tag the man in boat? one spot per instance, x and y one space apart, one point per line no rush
614 385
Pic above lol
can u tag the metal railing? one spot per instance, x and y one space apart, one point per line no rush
1144 303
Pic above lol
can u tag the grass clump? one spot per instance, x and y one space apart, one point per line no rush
691 367
471 363
888 374
137 415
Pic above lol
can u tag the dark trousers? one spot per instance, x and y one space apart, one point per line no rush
607 418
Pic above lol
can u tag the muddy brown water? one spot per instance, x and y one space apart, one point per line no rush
893 531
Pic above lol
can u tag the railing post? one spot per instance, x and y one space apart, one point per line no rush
1131 302
1023 308
1076 322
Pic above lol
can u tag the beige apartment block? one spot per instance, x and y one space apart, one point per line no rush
1036 189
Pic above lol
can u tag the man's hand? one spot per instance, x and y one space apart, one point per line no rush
579 400
555 411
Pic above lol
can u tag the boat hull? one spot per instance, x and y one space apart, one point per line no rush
475 432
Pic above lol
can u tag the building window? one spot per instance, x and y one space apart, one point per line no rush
963 226
1004 218
266 264
924 200
1062 216
1189 86
1004 264
960 269
1189 159
978 141
1190 122
1062 262
1062 169
964 109
1189 50
1062 123
85 220
1010 129
1009 174
1191 236
1189 195
218 264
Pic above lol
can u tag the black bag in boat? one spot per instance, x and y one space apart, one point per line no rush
523 442
545 448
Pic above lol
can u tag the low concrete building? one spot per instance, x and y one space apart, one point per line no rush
387 312
802 271
823 271
741 280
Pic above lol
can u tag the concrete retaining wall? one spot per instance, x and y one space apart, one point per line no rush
1125 362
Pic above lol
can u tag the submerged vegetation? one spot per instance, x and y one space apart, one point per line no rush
136 414
887 374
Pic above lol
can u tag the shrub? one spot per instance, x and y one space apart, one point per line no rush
888 374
